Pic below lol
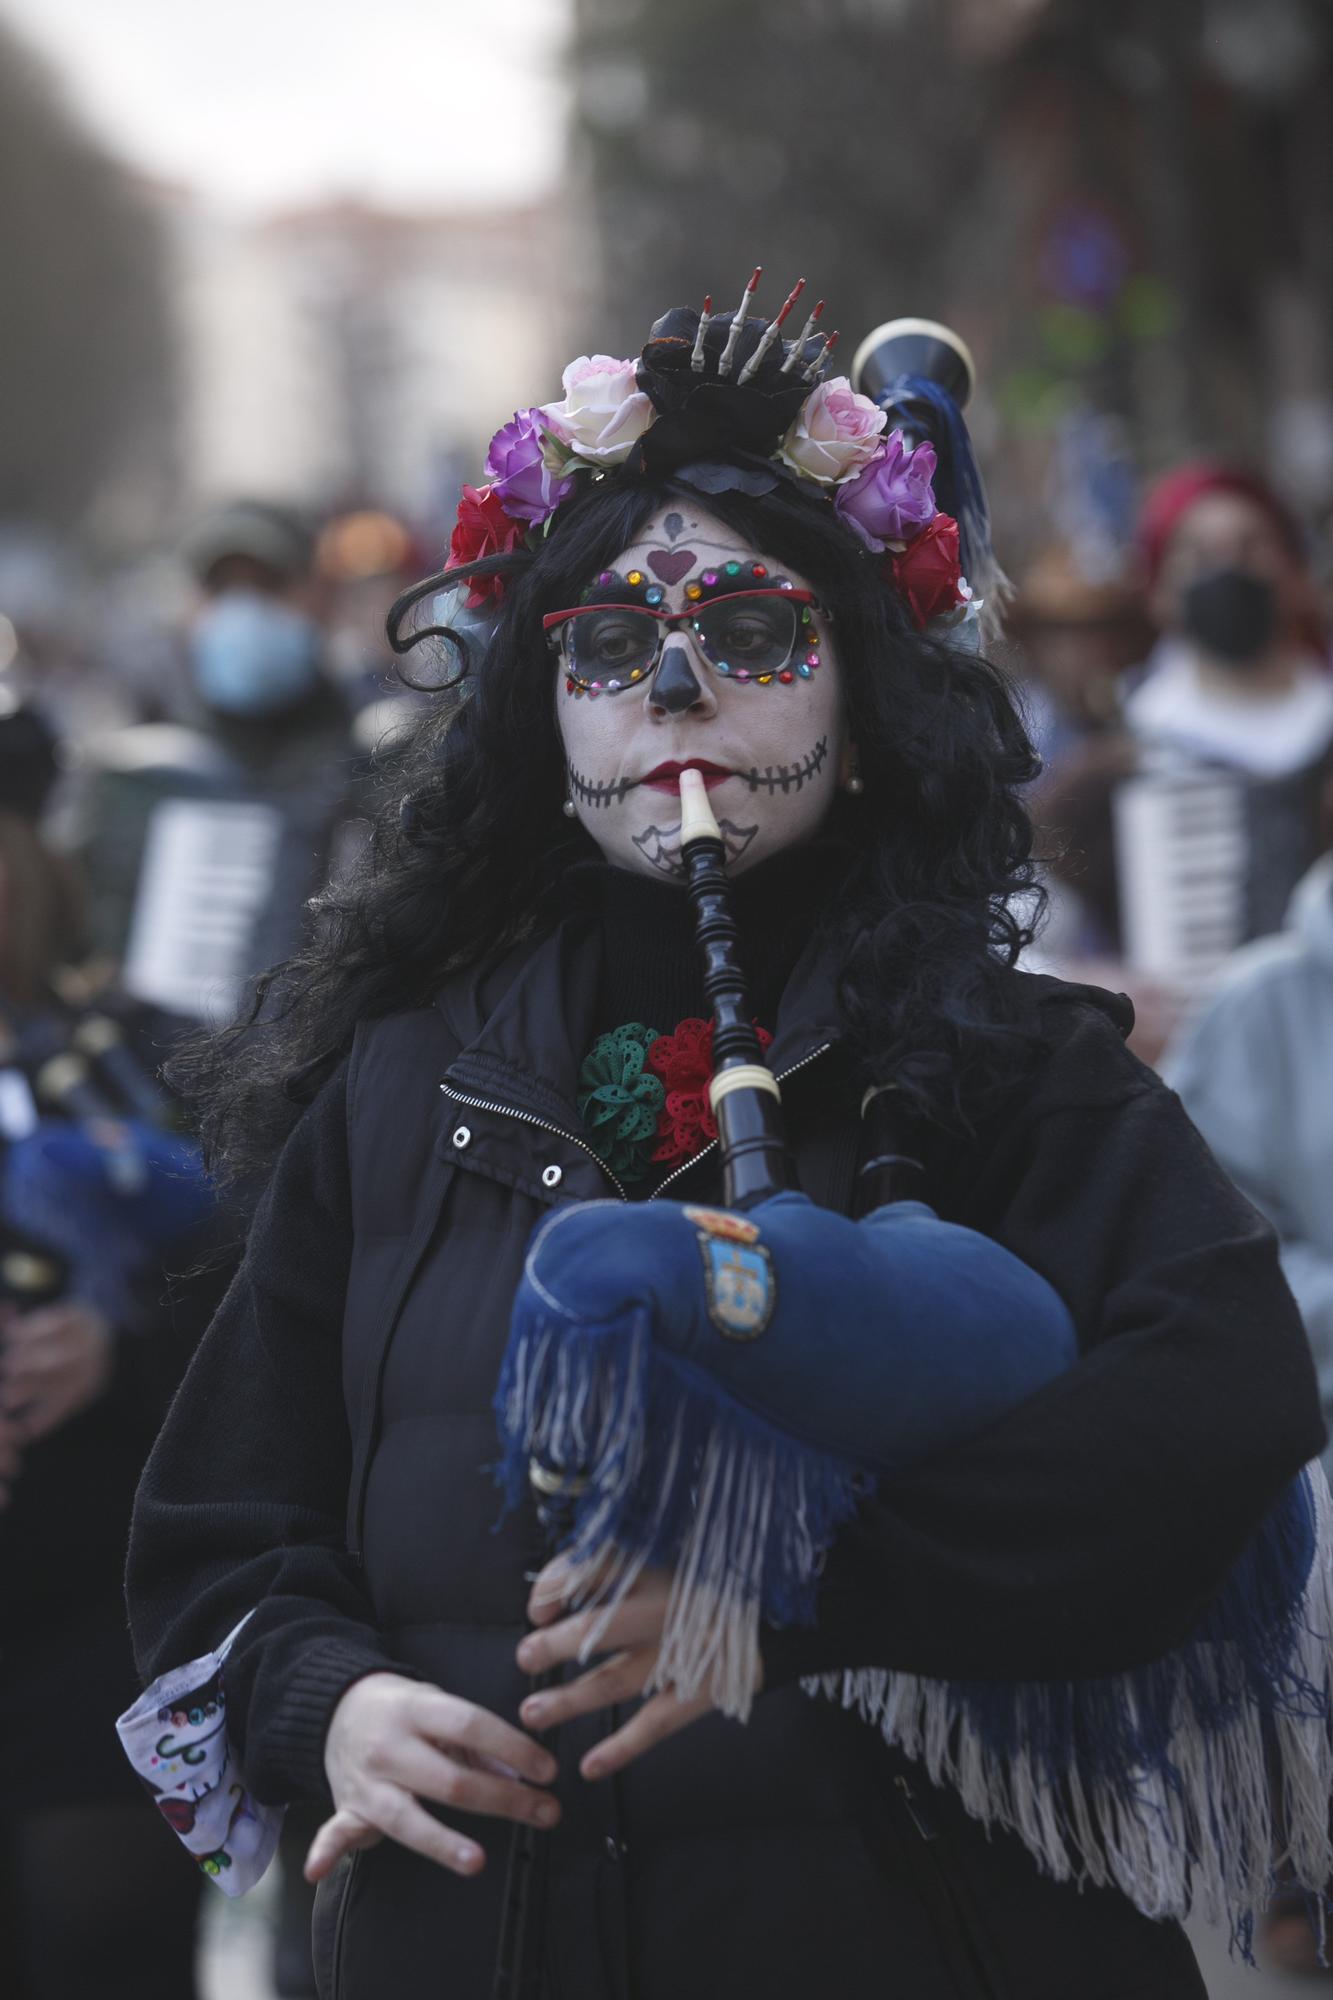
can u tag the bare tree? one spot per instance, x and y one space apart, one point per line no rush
85 335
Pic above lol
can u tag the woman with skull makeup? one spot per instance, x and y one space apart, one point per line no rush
713 557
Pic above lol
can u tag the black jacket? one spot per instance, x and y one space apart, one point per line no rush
1080 1535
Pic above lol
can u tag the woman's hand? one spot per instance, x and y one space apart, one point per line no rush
631 1640
393 1742
54 1362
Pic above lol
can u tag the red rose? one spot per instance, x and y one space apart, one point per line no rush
482 529
927 573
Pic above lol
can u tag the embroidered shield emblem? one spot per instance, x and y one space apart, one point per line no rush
741 1287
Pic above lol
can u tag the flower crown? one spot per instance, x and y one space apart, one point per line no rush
724 402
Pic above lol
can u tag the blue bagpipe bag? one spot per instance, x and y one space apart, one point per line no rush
725 1389
109 1197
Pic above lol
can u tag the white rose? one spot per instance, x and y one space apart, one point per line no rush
833 434
604 412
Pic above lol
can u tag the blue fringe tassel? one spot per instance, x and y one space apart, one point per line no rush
1240 1655
670 1460
1201 1764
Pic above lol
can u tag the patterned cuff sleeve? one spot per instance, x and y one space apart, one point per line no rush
175 1736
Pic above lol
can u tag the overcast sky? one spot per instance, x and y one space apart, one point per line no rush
260 103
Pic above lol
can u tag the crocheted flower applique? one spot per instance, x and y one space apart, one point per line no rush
619 1099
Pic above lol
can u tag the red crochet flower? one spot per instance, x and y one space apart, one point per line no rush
928 571
482 529
684 1061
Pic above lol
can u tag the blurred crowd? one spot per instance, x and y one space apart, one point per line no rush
187 757
181 771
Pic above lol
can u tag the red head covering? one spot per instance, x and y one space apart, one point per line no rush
1176 492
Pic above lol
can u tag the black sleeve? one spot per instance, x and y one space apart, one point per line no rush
241 1507
1085 1531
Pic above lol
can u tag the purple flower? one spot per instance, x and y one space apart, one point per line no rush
893 498
527 488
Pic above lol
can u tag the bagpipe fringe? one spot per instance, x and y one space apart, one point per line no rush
1185 1783
676 1474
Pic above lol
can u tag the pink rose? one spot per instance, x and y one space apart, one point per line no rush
604 412
833 434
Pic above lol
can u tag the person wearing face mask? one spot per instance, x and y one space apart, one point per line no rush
205 836
1238 685
713 556
1215 793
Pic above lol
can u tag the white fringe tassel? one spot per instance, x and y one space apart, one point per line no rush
1209 1843
711 1631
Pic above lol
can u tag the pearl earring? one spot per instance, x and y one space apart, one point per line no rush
855 785
569 809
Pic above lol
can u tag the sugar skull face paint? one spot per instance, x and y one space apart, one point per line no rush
730 668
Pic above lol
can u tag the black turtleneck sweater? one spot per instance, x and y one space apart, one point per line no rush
652 967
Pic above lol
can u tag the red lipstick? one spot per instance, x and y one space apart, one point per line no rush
666 777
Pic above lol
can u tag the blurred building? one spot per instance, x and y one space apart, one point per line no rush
347 353
1124 206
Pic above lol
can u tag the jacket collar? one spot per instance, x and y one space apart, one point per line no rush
525 1021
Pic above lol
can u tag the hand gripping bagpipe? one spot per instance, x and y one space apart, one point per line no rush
714 1391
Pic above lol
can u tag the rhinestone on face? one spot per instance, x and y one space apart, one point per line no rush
803 671
785 583
758 569
636 673
655 594
723 668
635 576
764 679
742 673
786 677
614 687
709 577
606 577
694 592
812 659
733 569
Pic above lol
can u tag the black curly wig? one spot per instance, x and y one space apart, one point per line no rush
471 833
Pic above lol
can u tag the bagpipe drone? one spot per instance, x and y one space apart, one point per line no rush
716 1390
96 1183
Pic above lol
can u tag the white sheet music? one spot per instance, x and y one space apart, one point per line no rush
206 874
1181 859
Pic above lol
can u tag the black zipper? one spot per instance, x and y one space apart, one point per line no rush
559 1132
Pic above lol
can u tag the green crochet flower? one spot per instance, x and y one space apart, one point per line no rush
619 1100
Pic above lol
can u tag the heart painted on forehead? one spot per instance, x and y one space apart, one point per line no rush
671 564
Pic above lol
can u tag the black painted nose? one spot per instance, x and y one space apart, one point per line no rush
675 688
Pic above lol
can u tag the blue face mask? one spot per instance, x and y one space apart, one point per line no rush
252 655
